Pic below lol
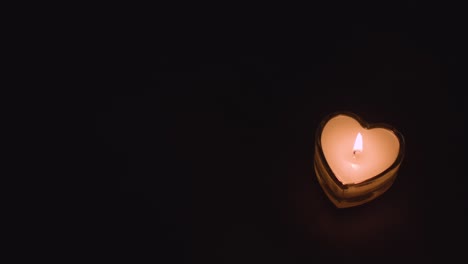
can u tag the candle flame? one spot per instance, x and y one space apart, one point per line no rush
358 143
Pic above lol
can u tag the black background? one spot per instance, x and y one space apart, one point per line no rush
206 128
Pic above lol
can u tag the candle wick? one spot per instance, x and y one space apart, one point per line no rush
354 153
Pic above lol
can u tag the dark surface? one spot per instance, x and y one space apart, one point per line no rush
206 153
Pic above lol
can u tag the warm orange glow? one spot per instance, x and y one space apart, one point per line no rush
358 143
343 146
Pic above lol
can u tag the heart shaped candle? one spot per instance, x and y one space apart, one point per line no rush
356 162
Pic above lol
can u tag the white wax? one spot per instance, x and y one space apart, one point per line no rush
380 148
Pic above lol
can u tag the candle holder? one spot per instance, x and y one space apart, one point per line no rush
348 194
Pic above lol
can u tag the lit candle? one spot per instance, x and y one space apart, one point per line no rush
356 162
